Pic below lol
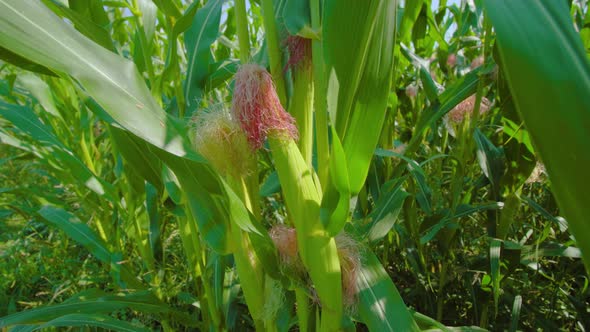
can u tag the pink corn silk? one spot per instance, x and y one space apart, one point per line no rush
299 52
257 108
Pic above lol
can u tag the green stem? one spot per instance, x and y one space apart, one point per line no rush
316 247
303 309
247 263
274 53
441 285
242 29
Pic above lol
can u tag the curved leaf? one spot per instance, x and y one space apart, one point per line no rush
101 321
381 307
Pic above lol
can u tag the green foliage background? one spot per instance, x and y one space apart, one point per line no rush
110 219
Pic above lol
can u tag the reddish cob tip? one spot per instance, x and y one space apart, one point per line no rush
257 107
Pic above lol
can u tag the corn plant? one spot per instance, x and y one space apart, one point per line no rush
298 150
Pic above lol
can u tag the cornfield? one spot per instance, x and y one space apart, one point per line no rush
285 165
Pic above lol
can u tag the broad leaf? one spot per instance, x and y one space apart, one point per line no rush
551 93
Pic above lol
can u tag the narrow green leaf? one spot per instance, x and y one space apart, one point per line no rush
387 209
141 301
491 160
138 157
151 201
117 86
462 210
94 10
101 321
271 185
558 221
28 122
495 249
78 231
221 72
170 8
335 204
430 86
451 97
515 314
29 29
41 91
423 196
411 12
198 39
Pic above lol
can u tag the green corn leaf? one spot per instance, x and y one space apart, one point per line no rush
381 307
148 20
94 320
335 204
491 160
451 97
515 314
530 253
88 304
387 209
41 91
511 205
198 39
546 106
462 210
424 194
82 234
411 13
154 234
171 69
24 63
139 158
94 10
430 87
78 231
28 122
297 18
370 106
171 185
270 186
345 57
495 250
169 8
117 86
31 30
221 72
88 28
558 221
206 198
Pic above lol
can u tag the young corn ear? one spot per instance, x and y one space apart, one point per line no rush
285 239
301 106
257 107
456 117
220 140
